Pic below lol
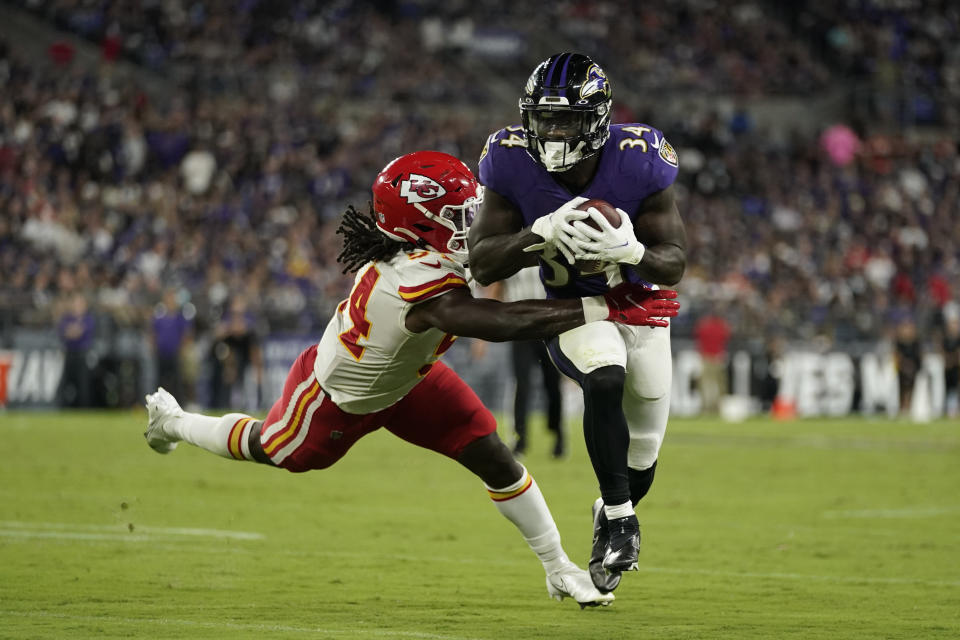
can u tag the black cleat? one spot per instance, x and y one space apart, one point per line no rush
623 545
604 581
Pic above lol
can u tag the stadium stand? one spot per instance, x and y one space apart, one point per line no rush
223 171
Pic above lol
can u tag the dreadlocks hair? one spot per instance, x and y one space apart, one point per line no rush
363 241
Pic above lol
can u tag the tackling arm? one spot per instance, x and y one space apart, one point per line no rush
459 313
497 240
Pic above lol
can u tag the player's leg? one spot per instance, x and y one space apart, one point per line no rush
551 386
305 429
282 439
595 356
451 420
227 435
646 406
231 435
646 403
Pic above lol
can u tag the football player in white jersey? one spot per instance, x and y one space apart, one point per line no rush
376 365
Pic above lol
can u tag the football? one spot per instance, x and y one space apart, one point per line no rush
608 210
610 213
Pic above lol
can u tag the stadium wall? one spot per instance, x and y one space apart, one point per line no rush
858 380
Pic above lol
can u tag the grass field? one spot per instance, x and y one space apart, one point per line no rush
810 529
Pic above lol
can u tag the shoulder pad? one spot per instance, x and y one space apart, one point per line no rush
425 274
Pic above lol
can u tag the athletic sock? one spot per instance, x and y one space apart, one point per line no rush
226 436
615 511
522 504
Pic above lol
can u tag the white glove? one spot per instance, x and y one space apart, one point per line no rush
609 243
557 231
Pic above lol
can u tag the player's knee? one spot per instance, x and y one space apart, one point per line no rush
605 384
255 445
649 389
491 461
643 451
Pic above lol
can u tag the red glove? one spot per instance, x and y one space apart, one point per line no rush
632 304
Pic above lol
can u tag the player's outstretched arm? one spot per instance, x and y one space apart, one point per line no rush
459 313
497 240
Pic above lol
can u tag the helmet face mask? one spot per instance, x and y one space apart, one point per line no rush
565 111
458 219
428 199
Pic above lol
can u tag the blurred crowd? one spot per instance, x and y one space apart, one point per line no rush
355 48
224 192
107 192
794 241
905 53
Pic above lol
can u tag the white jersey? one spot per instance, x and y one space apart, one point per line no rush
368 359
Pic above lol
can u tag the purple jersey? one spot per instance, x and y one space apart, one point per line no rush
635 162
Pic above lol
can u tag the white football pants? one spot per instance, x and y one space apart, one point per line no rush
644 352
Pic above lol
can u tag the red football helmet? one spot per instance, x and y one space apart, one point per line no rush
428 198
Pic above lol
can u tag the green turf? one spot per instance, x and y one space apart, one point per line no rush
810 529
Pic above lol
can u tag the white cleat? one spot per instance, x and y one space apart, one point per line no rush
161 408
573 582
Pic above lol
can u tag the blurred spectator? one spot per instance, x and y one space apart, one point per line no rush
841 144
950 348
172 334
236 348
909 356
770 371
528 356
5 364
76 330
712 333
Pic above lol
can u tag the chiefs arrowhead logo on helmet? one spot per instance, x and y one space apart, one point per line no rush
427 198
418 188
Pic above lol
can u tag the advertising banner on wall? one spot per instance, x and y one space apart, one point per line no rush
30 371
809 384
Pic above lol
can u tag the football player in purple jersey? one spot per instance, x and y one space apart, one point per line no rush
536 174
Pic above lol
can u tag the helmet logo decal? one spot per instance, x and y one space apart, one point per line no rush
532 80
596 82
418 188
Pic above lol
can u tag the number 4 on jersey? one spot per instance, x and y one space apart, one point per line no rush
358 312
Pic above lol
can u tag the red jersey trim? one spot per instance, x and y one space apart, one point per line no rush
430 289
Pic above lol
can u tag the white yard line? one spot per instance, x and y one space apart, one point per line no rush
908 512
354 632
115 533
803 576
48 529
